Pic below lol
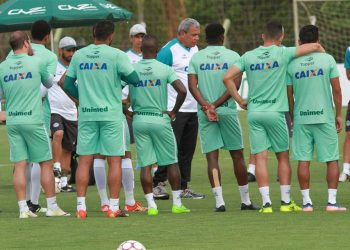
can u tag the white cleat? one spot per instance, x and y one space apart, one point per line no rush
56 213
343 177
26 215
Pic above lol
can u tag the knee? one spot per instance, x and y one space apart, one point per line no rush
58 135
347 136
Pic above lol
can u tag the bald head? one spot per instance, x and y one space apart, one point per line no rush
149 47
17 40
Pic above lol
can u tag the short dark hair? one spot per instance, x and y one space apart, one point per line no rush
40 29
17 39
308 34
273 30
213 32
103 29
149 44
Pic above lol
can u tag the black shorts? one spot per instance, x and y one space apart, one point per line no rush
347 118
70 131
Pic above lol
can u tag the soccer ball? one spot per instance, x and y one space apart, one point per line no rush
131 245
57 185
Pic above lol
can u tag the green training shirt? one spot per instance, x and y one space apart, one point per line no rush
210 66
20 79
310 77
266 69
98 69
150 94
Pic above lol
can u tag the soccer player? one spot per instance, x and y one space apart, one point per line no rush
137 32
217 113
177 54
64 125
346 150
266 69
99 70
154 137
20 79
315 76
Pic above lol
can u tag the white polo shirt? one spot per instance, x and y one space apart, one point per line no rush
134 58
177 56
59 101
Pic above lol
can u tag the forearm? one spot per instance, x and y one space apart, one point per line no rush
308 48
222 99
70 88
179 101
232 90
131 79
337 98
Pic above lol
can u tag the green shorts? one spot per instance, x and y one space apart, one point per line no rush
127 135
323 136
101 137
268 130
225 133
155 140
29 142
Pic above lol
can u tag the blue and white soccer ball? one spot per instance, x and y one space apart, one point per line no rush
131 245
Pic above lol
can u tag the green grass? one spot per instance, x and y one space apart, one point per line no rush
201 229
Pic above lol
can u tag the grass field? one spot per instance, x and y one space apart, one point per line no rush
201 229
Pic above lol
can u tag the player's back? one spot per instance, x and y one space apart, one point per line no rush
310 76
210 65
21 76
150 93
266 69
98 69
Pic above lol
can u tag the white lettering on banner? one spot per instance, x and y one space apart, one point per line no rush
77 7
32 11
109 6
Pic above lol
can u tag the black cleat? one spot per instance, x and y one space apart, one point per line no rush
251 177
68 188
220 209
252 206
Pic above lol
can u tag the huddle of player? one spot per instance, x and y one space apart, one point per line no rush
280 79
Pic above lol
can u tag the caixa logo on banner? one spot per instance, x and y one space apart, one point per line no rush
83 7
32 11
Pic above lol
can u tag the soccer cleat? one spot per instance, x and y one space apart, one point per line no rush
289 207
68 189
116 214
27 214
36 208
137 207
252 206
179 210
308 208
104 208
251 177
58 212
335 208
152 211
190 194
160 193
81 214
266 209
222 208
343 177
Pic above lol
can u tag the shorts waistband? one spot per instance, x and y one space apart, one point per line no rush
147 113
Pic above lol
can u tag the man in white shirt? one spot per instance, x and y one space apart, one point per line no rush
64 125
177 54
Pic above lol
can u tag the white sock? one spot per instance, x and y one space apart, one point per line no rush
64 181
176 197
285 193
57 166
28 179
219 199
305 193
128 181
23 207
101 180
81 203
52 203
332 196
346 168
35 186
265 194
150 200
251 169
244 192
114 204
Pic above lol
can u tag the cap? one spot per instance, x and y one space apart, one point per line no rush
137 29
67 43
